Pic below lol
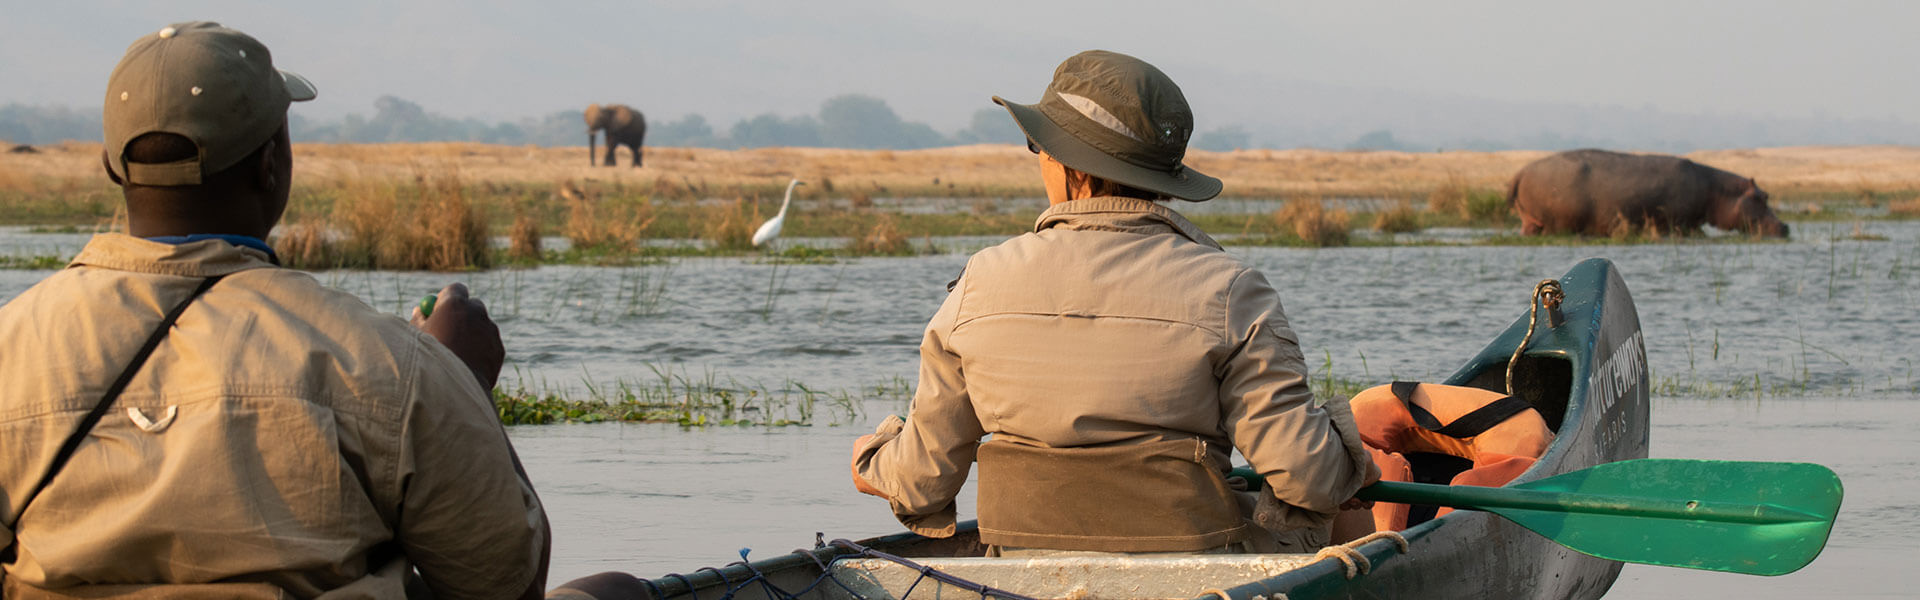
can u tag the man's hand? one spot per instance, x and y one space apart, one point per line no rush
1373 477
860 483
461 324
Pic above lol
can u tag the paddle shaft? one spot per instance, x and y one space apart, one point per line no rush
1482 498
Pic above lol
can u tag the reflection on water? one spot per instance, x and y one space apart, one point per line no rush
1769 351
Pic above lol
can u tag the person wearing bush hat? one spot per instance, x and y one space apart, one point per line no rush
1116 355
188 419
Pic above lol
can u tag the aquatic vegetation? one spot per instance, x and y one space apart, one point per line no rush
32 263
675 397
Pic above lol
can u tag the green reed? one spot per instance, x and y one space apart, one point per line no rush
689 401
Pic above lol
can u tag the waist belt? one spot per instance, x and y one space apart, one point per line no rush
1165 496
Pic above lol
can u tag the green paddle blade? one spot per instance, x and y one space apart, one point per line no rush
1762 518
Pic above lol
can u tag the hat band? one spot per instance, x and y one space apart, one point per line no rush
1113 142
184 172
1099 115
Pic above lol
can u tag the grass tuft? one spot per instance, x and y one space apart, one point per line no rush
428 226
732 229
1400 218
1314 222
884 239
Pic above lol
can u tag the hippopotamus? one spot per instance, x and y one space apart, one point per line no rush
1592 192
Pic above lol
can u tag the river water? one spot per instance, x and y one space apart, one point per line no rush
1795 351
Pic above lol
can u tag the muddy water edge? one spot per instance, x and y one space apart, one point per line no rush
1802 350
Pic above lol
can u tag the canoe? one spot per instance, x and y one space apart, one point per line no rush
1584 370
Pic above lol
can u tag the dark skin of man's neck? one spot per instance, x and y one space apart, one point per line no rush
241 201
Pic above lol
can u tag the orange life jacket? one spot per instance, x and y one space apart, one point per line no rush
1503 436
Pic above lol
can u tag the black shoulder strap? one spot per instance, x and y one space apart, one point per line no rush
100 410
1468 425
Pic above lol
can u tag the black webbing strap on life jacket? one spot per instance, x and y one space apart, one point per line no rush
1468 425
100 409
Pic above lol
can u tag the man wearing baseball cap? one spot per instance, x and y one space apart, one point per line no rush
184 418
1117 355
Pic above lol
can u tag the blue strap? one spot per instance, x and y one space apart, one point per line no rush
245 241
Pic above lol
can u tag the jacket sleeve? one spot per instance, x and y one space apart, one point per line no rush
1310 454
920 463
468 519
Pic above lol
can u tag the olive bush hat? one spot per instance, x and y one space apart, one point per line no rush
212 85
1118 118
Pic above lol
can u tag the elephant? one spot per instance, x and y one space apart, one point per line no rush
623 125
1592 191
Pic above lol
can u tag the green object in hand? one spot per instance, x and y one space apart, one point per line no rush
426 305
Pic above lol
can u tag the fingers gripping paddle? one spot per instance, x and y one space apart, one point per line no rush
1761 518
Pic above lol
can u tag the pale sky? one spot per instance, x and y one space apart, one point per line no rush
1255 63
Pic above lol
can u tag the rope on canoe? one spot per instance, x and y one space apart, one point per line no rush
1355 562
774 592
1350 556
1546 293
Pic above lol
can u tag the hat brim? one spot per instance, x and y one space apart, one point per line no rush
299 89
1188 184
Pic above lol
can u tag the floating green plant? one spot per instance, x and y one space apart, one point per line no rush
675 397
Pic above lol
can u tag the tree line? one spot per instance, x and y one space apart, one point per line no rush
847 121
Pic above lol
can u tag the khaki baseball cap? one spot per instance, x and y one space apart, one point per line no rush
212 85
1118 118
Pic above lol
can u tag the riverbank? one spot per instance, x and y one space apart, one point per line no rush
434 206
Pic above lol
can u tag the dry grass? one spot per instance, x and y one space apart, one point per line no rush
305 245
1398 218
732 228
1314 222
884 239
1459 197
688 192
378 224
523 241
605 225
985 170
1907 208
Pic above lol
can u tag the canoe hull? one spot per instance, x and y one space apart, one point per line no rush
1587 376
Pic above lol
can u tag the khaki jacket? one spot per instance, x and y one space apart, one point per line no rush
1115 323
296 442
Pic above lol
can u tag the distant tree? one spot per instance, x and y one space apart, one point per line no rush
771 130
1376 140
558 128
991 126
21 124
690 131
1223 139
858 121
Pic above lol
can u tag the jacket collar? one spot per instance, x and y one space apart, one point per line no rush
204 258
1125 215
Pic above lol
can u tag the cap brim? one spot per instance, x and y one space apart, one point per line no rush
1188 184
299 88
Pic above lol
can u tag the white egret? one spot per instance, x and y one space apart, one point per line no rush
771 228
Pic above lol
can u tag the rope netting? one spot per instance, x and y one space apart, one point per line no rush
759 580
